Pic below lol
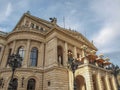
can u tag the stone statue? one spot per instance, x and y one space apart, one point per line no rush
53 20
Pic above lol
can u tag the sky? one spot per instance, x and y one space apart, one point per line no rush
98 20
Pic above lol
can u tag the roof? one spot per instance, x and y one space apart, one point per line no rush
49 24
3 33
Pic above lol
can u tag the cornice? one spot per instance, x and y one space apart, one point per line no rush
52 28
39 20
34 70
79 37
93 67
37 70
67 34
55 68
33 32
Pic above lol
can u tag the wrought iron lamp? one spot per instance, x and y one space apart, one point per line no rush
15 61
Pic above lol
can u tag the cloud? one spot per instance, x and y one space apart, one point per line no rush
8 9
5 12
98 19
3 29
106 36
106 39
11 11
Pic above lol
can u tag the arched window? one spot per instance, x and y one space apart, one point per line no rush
21 51
13 84
34 57
60 55
80 83
31 84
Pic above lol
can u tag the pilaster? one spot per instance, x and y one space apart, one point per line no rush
107 82
13 47
51 53
89 81
5 56
41 55
20 85
70 80
2 51
114 83
100 85
26 59
55 50
66 54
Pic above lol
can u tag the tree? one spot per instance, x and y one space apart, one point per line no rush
115 71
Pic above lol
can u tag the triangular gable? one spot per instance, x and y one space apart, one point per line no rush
37 22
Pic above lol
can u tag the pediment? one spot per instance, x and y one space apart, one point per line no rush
29 22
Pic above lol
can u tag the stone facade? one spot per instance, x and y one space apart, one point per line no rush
53 44
118 78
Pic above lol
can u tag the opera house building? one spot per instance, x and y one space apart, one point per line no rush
53 58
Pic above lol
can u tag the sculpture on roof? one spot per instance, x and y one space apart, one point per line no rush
53 20
28 12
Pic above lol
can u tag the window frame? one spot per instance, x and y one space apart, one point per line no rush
34 59
32 82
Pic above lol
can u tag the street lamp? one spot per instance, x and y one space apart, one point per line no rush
14 61
73 65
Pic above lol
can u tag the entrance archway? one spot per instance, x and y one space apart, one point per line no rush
80 83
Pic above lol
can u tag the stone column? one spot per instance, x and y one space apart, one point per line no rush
100 85
107 82
2 51
65 54
75 52
89 80
70 80
55 51
114 83
26 59
41 56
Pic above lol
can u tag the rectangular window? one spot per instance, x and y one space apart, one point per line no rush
32 25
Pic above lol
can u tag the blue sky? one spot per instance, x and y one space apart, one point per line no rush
98 20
